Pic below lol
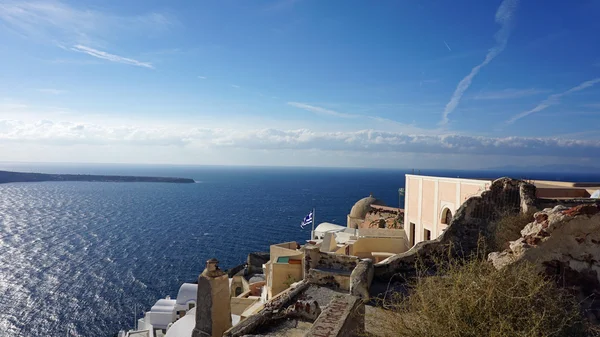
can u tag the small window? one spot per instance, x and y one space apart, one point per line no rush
446 216
427 234
412 234
191 305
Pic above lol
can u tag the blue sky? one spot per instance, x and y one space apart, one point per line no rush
458 84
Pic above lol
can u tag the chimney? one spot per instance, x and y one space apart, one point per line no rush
213 308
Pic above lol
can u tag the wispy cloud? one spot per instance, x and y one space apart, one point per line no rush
504 17
111 57
553 100
235 86
447 46
202 77
52 91
61 22
321 111
509 93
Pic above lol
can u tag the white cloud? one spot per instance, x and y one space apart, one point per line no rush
202 77
504 17
52 91
58 22
553 100
61 134
509 93
110 57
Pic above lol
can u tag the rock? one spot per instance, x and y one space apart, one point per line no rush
582 209
361 278
255 262
237 270
501 259
568 250
518 246
558 208
531 229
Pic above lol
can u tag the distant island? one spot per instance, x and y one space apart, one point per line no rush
19 177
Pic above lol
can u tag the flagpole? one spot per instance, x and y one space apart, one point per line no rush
312 233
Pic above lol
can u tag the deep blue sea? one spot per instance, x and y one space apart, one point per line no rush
75 257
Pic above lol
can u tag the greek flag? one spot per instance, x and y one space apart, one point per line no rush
307 219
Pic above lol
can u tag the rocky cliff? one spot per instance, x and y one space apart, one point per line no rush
564 243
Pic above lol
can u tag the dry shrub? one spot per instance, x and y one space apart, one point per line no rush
472 298
507 228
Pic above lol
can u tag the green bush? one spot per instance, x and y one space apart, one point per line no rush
472 298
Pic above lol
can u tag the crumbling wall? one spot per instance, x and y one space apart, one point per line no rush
333 279
336 261
472 220
565 244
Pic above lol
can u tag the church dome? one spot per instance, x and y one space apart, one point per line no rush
363 206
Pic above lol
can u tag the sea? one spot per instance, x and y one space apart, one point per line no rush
86 258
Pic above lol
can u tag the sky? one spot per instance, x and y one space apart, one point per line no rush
395 84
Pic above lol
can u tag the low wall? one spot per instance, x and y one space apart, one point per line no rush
334 279
238 305
336 261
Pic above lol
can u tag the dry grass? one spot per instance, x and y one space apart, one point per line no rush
471 298
507 228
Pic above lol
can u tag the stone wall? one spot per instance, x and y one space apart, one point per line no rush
343 316
336 261
472 220
330 278
565 244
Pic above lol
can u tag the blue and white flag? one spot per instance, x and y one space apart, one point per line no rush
307 220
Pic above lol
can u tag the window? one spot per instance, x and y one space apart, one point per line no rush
446 216
412 234
426 234
191 305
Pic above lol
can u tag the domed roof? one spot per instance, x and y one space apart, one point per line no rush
363 206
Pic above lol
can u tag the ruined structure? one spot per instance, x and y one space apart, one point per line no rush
213 312
564 243
471 221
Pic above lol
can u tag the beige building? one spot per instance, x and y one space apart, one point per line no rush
431 202
286 266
